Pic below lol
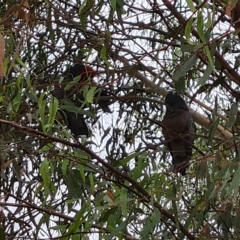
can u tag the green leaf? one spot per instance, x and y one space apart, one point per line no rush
200 24
191 216
124 199
234 186
108 33
237 223
65 164
73 83
90 94
187 48
225 175
211 191
210 18
106 214
84 10
186 66
16 96
141 164
202 168
190 5
81 169
150 223
91 179
52 113
69 106
79 219
74 184
210 59
60 227
114 4
212 130
19 60
42 109
168 194
124 161
45 174
116 231
200 29
103 53
206 75
175 212
44 170
188 31
32 96
199 219
43 220
232 115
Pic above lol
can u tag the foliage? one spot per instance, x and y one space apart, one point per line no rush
119 184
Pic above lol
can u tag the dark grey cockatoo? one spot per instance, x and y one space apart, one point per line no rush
177 122
76 122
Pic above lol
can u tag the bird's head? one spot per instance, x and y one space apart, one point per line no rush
174 100
84 71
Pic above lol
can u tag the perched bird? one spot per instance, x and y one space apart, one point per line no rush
77 69
177 121
86 72
76 121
